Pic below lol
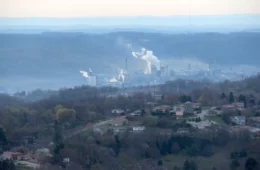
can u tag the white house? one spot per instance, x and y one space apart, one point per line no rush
239 120
66 160
117 111
182 130
138 128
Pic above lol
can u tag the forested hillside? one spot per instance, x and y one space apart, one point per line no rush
61 53
78 123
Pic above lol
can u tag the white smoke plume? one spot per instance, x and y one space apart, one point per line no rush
91 78
84 74
121 76
149 58
112 80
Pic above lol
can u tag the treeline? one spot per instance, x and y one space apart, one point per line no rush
120 151
22 120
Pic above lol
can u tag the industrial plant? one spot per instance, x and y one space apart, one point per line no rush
155 71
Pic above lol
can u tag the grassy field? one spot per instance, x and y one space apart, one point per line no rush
174 160
221 161
205 107
87 132
215 119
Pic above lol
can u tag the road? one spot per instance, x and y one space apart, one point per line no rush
205 113
204 122
87 127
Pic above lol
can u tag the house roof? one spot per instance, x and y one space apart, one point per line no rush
8 155
179 111
162 107
241 118
117 110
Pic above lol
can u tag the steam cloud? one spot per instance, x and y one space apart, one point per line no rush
84 74
121 75
149 58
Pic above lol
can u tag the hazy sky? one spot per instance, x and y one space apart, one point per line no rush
80 8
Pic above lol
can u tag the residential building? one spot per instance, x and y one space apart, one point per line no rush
188 108
162 108
44 151
165 132
66 160
158 97
255 132
12 155
179 112
183 130
228 107
239 120
254 121
239 105
117 111
138 128
136 113
150 104
118 130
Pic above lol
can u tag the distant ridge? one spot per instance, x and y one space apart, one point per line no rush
238 19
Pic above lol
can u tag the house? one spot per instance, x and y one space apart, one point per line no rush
119 121
11 155
44 151
165 132
188 108
117 111
118 130
239 120
255 132
66 160
136 113
158 97
138 128
239 105
111 96
254 121
228 107
150 104
179 112
183 130
162 108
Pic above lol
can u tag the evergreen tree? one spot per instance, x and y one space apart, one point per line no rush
3 138
7 165
58 143
160 163
117 147
251 164
190 165
176 168
231 97
223 96
234 165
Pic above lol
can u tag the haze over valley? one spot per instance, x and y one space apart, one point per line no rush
52 60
